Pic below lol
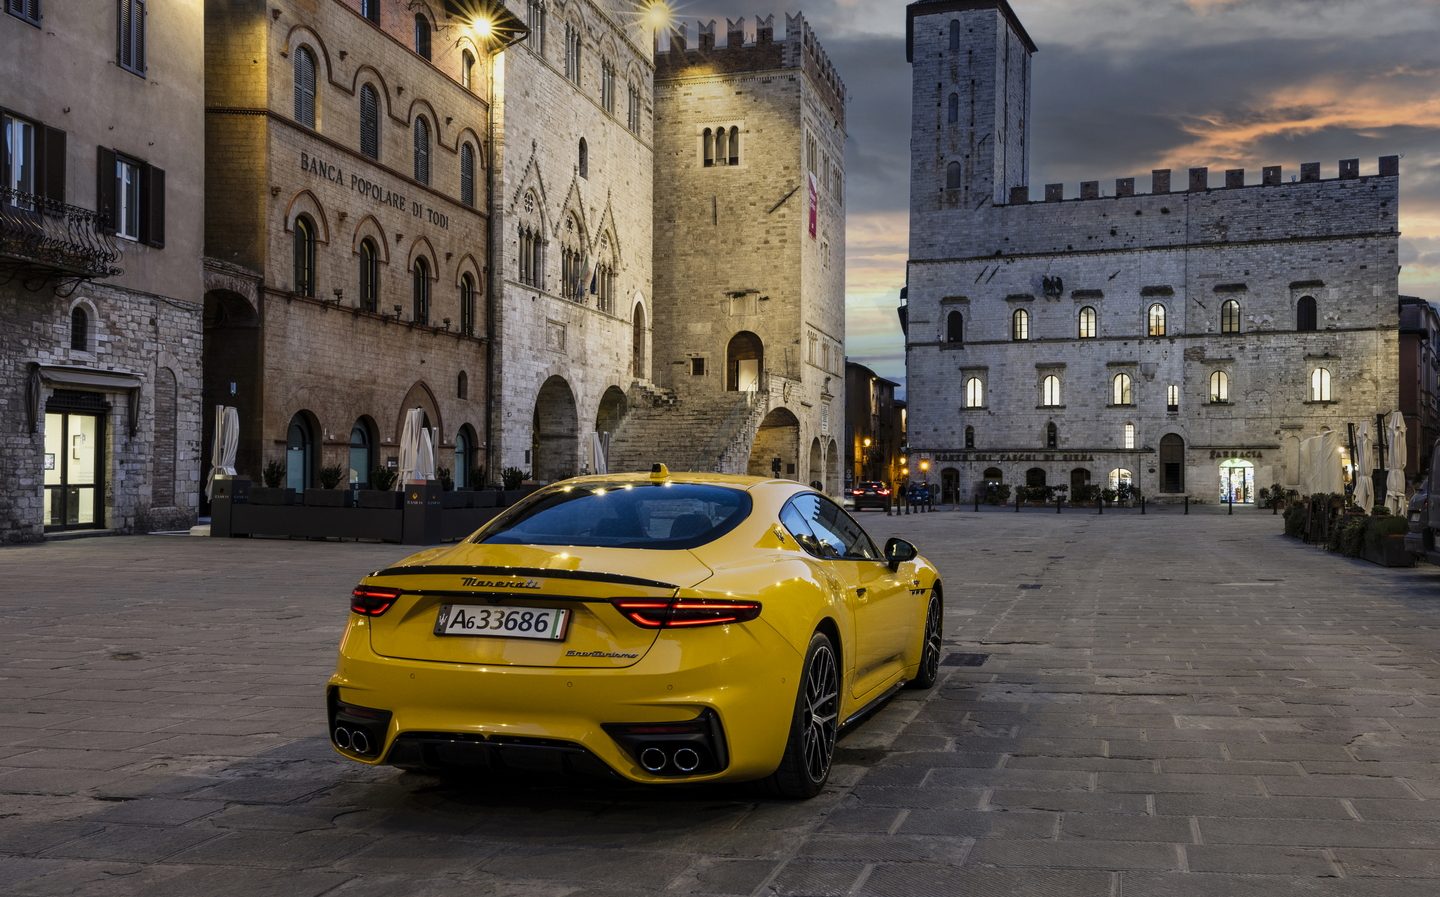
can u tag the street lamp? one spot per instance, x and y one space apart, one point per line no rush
865 460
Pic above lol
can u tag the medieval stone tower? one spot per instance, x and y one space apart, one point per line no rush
749 256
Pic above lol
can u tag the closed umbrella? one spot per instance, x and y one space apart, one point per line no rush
597 454
227 441
425 456
1395 459
1364 483
410 446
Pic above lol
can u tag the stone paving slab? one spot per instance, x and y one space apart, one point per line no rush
1170 705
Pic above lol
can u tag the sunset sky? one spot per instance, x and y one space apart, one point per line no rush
1124 86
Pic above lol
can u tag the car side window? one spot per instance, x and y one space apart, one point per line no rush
794 523
835 534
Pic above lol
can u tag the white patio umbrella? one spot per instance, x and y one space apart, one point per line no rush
410 446
1364 483
598 464
1395 458
425 457
227 441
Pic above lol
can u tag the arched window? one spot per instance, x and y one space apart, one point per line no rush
462 386
1052 435
305 87
79 329
467 174
1155 320
422 151
1120 390
1087 321
369 122
952 176
1035 476
1320 385
421 291
369 275
709 147
1020 325
532 258
1219 386
1172 397
734 146
584 159
969 437
1129 434
1230 316
722 146
467 304
422 36
1120 475
360 443
299 453
464 458
304 244
954 34
974 393
1306 314
954 328
1050 391
467 70
952 114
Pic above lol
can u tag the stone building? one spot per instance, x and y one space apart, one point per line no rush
100 277
571 232
1419 383
749 223
347 186
1184 340
874 427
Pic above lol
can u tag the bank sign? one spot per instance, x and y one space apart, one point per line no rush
1012 456
379 193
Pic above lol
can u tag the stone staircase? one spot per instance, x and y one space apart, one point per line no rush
689 432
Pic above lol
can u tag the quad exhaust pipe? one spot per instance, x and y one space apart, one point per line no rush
655 760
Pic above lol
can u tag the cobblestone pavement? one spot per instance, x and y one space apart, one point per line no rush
1167 705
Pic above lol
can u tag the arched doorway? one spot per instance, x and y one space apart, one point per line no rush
1035 476
464 474
1237 481
607 421
1172 463
744 360
1079 477
420 396
817 465
300 452
554 443
777 443
637 344
362 452
832 469
949 486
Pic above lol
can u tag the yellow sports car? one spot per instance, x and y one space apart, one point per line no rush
667 628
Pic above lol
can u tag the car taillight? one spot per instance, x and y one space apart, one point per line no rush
884 491
685 612
857 491
369 601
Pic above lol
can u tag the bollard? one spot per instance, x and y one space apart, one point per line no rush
1059 500
1187 504
1231 503
1274 508
1100 506
1142 505
1017 501
977 503
887 509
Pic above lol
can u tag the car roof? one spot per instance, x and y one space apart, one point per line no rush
734 481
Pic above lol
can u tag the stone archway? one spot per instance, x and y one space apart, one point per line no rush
744 363
230 350
1172 463
639 369
777 439
833 478
554 433
607 421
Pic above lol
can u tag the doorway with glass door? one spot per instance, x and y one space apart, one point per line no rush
74 465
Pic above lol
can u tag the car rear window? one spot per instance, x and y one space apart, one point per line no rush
623 515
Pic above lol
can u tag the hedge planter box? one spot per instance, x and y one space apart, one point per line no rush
485 498
328 498
383 499
271 495
453 500
1391 553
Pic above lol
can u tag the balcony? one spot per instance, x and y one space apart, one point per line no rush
43 240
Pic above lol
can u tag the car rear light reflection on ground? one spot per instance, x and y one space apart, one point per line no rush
369 601
685 612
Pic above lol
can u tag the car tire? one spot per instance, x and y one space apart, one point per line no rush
931 643
810 747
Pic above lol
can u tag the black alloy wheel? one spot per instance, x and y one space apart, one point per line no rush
810 749
929 670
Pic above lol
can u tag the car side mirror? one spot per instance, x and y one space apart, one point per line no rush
898 551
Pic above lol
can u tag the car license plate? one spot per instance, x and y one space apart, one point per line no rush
502 621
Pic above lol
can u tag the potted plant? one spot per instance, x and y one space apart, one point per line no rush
512 477
484 495
381 493
272 493
449 498
1107 495
329 495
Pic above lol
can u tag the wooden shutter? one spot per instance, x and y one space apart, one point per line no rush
105 189
51 180
124 46
467 174
369 122
152 212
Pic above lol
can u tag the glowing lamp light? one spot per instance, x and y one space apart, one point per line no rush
657 15
483 28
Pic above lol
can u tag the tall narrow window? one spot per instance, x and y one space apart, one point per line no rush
1052 436
28 10
1230 316
1320 385
1050 391
1219 387
305 87
369 275
1155 320
467 70
370 9
1121 390
79 329
952 114
1129 436
467 175
607 85
422 151
1172 397
1020 325
584 160
467 305
304 246
632 115
1087 322
360 448
369 122
974 393
127 198
721 145
954 328
130 44
952 176
969 437
19 162
734 146
1306 314
573 43
421 290
954 34
422 36
537 26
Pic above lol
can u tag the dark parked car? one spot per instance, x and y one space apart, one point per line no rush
919 494
870 494
1420 538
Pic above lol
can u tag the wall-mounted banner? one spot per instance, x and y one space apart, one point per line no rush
814 203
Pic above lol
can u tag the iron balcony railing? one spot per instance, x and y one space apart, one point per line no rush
53 238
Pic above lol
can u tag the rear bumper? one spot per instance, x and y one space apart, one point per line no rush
744 676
